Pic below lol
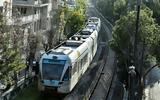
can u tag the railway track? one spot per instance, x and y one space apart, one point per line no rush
94 95
98 77
101 87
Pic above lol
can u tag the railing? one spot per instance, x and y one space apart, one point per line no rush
23 19
30 18
29 2
39 2
24 2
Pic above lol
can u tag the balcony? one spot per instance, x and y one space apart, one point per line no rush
23 2
29 19
43 1
30 2
40 3
23 20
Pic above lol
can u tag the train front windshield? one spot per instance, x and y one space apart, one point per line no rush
52 69
94 20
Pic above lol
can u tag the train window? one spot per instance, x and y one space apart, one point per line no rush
79 65
85 60
92 48
74 68
86 33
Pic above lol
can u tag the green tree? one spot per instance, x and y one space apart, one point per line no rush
81 6
62 19
10 59
76 22
120 8
76 18
106 7
156 48
123 35
10 56
154 5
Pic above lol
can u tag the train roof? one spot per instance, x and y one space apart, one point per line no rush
68 46
53 54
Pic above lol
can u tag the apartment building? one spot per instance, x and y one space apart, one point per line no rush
33 15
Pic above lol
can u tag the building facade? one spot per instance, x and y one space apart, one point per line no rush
33 15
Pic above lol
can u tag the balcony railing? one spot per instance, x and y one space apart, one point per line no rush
23 20
28 19
23 2
29 2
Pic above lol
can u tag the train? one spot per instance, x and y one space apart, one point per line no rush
61 68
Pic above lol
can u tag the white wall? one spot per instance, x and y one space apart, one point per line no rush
1 3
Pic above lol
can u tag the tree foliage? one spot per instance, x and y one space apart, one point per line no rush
55 34
106 7
75 21
155 6
156 48
10 60
113 9
124 30
10 51
62 19
81 6
76 18
120 8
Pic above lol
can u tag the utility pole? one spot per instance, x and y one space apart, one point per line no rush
137 61
136 33
134 76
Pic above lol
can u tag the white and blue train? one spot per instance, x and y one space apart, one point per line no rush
62 67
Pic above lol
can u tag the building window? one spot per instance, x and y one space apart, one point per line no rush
1 10
35 11
23 11
5 5
20 10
